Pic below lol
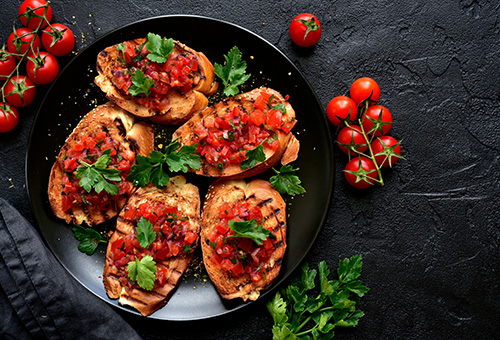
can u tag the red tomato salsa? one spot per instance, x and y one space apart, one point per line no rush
89 149
225 139
173 238
177 72
239 255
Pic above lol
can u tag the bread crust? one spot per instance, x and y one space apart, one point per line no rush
258 193
287 141
178 194
134 136
181 106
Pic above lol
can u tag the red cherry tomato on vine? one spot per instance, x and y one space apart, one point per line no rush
31 18
43 68
364 88
350 139
340 108
58 40
20 91
383 148
19 42
7 65
374 125
366 172
305 30
9 117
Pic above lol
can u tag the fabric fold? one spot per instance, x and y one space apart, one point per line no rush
40 292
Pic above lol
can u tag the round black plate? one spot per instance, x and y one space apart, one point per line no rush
73 94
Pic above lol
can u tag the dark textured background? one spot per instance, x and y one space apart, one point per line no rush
430 237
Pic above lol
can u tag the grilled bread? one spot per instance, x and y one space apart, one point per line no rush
225 134
174 213
107 127
180 83
238 266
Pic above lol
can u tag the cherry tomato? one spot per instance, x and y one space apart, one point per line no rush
341 107
366 172
19 42
9 117
58 40
385 147
364 88
20 91
377 120
43 68
31 18
350 139
305 30
7 65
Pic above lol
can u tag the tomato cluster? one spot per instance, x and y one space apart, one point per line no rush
365 138
24 52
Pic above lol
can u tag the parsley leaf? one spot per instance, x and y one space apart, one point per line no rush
89 239
250 229
298 311
143 272
97 175
286 182
140 84
232 73
159 48
254 156
155 168
279 107
145 233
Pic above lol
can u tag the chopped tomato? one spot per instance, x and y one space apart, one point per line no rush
260 103
190 237
66 203
275 118
258 117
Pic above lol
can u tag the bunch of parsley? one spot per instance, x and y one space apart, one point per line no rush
304 311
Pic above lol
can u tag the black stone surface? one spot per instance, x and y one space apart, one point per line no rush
430 237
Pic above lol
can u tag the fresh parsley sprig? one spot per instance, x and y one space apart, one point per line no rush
304 311
159 48
250 229
141 84
89 239
232 73
156 167
254 156
145 233
143 271
96 176
286 182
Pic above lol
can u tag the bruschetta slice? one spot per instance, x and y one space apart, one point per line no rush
243 236
88 179
167 89
158 232
242 136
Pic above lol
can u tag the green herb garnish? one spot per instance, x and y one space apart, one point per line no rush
96 176
232 73
89 239
159 48
143 272
286 182
254 156
145 233
250 229
155 168
141 84
300 312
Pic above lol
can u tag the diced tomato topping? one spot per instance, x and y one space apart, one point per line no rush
66 203
190 237
258 117
275 118
161 278
78 146
287 126
70 164
260 103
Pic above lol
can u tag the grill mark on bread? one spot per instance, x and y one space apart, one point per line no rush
121 128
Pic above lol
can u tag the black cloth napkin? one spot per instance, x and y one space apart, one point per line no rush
39 299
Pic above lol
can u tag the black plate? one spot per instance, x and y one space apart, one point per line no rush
73 94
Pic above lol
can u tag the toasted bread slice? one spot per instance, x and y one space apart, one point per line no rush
129 138
177 194
204 125
249 282
176 102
